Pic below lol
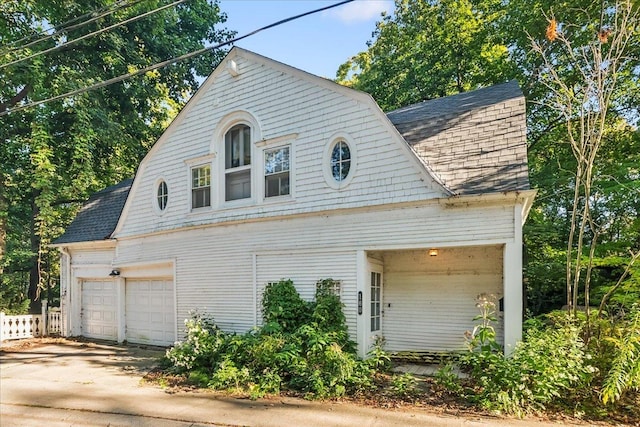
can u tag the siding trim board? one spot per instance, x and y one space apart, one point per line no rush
506 199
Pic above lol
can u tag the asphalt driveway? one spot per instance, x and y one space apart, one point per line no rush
68 383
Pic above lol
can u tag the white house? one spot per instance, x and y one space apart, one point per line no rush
270 172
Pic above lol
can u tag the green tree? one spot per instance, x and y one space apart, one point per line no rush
435 48
586 79
429 49
55 155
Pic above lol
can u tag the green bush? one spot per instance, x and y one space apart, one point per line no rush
378 359
325 369
548 364
302 346
446 379
623 369
282 305
203 342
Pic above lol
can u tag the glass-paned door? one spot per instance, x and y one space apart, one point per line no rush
376 301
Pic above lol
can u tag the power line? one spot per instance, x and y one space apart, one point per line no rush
167 62
56 27
61 29
70 42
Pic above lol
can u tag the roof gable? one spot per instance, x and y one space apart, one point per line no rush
218 97
475 142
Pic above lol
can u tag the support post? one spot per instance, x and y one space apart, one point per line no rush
512 285
121 309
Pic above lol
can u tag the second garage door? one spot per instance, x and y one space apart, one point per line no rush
150 313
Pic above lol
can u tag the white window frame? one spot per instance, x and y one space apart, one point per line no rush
192 188
162 199
155 197
375 301
274 144
206 160
241 168
281 172
326 160
218 144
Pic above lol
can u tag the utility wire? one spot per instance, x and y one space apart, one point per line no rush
70 42
61 29
6 47
167 62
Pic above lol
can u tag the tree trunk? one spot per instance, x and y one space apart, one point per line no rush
3 226
34 271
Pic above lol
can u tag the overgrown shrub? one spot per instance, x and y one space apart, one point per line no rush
200 347
281 304
544 366
302 346
379 359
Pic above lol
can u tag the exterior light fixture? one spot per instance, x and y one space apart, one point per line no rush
114 273
433 252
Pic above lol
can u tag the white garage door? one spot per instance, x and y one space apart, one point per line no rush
99 309
150 311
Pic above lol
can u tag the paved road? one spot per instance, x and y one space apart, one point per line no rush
78 384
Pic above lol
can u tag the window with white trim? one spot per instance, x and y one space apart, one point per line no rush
200 186
162 195
237 147
276 171
340 160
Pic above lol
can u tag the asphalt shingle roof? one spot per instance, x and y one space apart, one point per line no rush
99 216
475 142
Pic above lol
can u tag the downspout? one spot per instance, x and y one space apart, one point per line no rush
65 287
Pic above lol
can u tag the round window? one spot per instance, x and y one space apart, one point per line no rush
163 195
340 161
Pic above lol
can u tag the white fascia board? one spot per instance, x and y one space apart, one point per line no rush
524 197
92 244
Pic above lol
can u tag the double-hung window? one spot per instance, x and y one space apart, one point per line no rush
276 171
237 147
200 186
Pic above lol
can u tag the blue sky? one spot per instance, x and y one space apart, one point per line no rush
317 43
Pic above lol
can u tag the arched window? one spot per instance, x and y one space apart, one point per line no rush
237 148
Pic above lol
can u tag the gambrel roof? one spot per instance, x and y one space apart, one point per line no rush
99 216
475 142
470 143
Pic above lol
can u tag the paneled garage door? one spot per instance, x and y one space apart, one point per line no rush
99 309
150 311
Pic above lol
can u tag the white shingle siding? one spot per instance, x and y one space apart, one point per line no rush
430 302
92 256
214 264
305 269
280 103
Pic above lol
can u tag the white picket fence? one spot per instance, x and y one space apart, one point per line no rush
13 327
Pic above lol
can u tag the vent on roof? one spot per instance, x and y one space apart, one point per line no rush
232 68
